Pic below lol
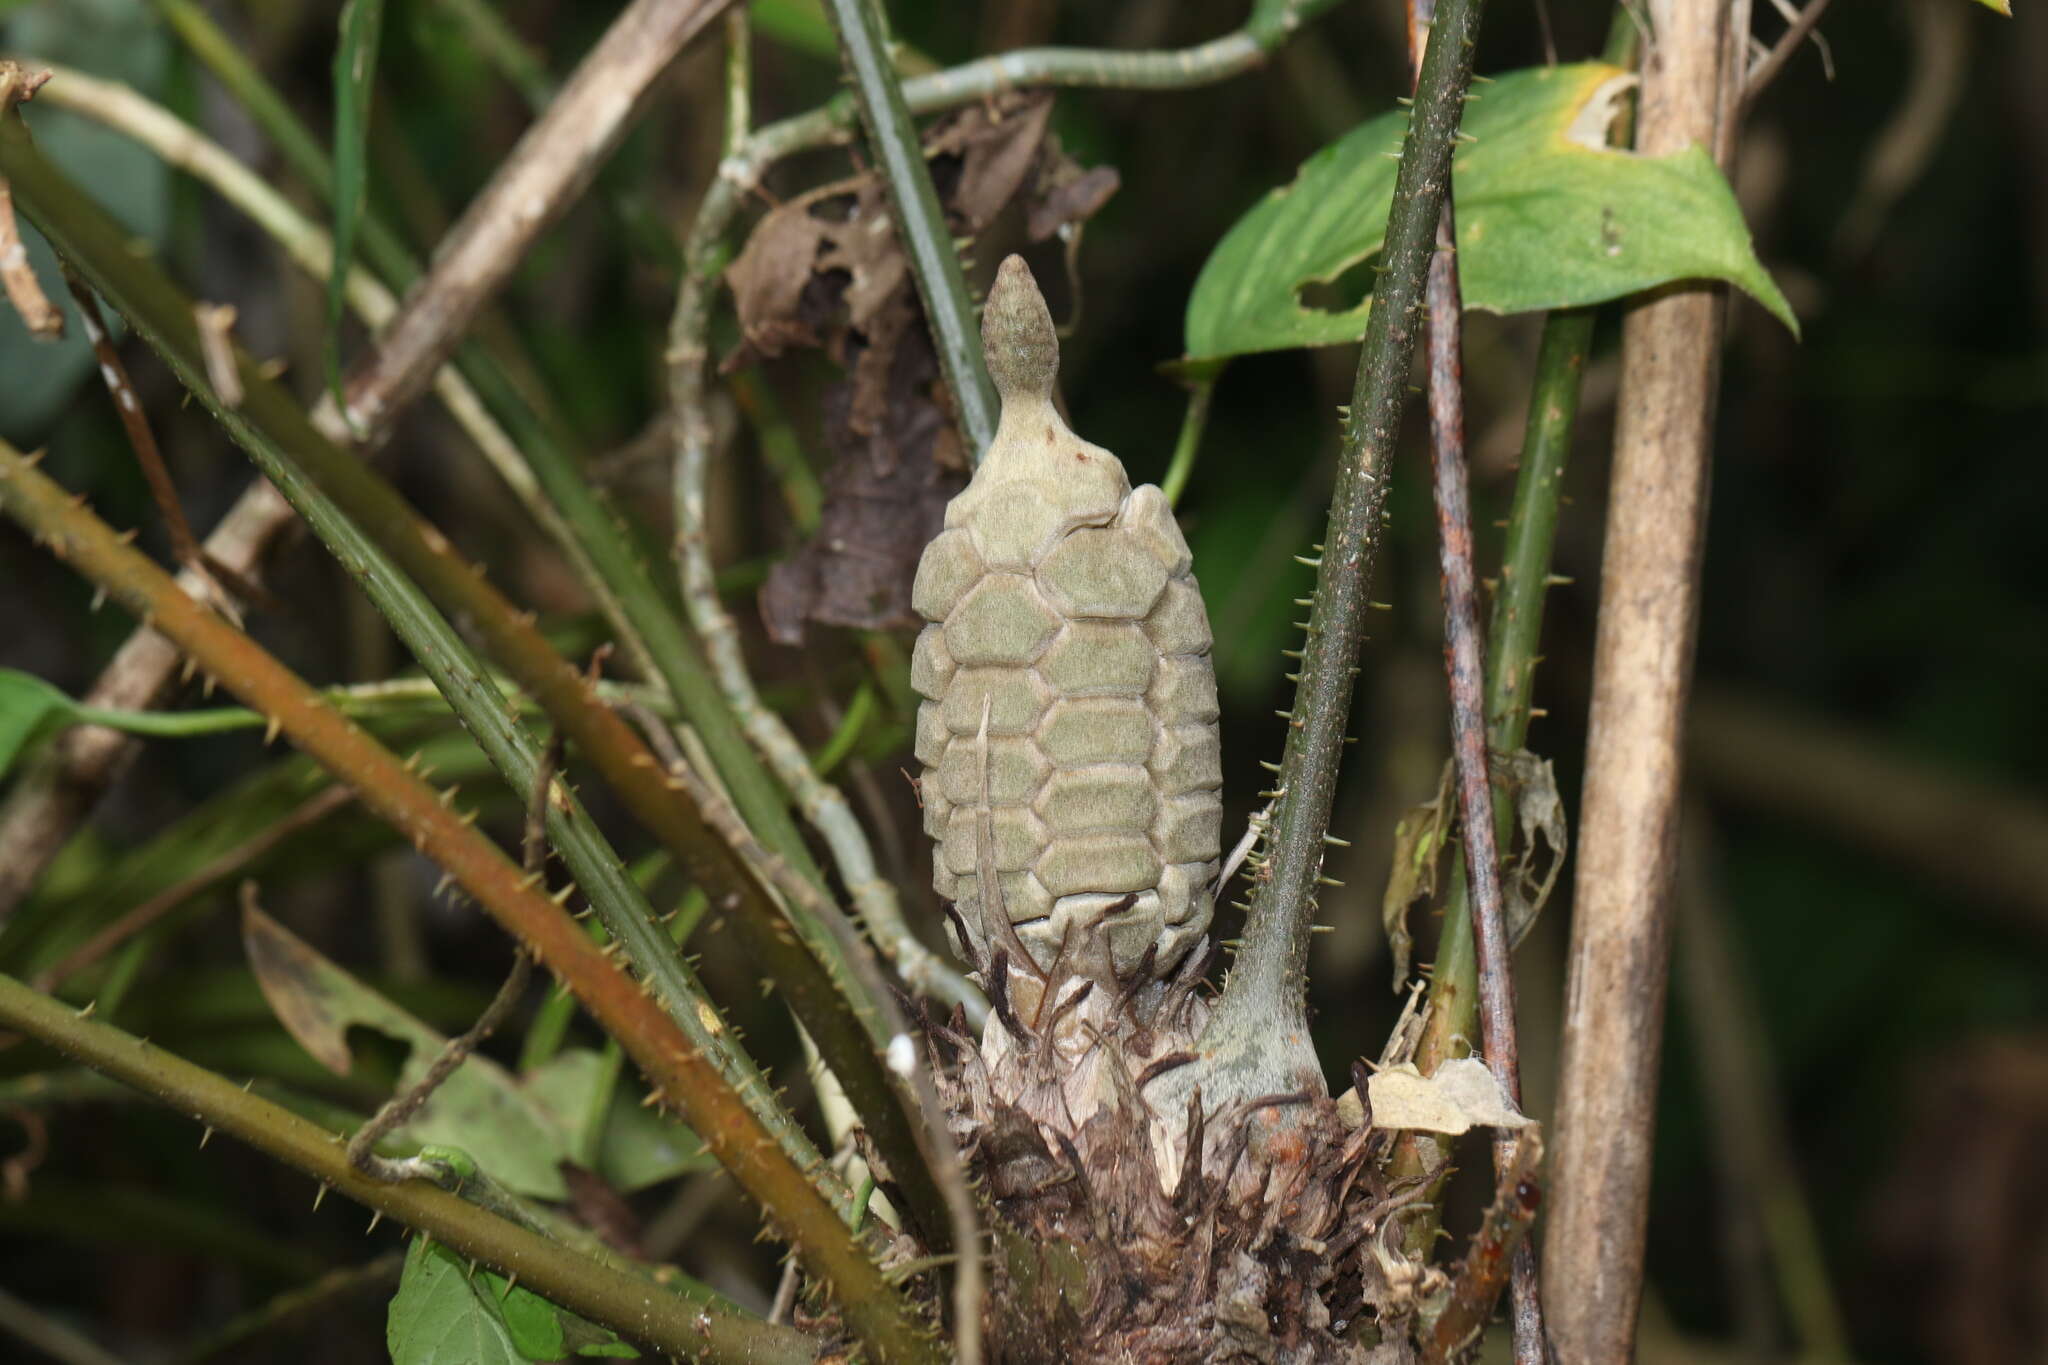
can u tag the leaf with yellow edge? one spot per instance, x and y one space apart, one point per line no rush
1549 216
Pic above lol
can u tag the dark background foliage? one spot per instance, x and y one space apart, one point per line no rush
1870 570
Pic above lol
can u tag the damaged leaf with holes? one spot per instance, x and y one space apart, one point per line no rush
1549 216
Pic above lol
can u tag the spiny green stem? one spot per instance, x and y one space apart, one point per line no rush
339 497
677 1065
266 424
920 222
699 1328
1268 980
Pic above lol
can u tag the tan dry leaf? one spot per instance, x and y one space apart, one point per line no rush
1461 1095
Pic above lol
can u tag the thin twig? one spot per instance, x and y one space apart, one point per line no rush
43 319
1465 674
222 583
400 1108
1628 834
668 1320
1764 72
1498 1243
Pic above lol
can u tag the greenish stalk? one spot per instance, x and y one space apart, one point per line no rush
1513 638
1202 388
920 222
1069 67
859 712
1259 1028
671 1321
265 420
396 697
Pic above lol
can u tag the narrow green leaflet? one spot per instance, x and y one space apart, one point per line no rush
355 76
30 710
446 1313
1548 215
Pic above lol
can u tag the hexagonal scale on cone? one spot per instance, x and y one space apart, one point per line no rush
1071 702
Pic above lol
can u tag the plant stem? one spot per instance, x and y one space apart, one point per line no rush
678 1066
1202 388
1513 638
1261 1010
920 222
1070 67
1642 664
670 1321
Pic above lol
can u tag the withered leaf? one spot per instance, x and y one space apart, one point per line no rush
1420 837
824 270
1539 815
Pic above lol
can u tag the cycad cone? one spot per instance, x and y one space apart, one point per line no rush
1070 720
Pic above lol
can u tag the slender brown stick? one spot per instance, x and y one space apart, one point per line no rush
1649 589
683 1075
544 173
185 547
17 278
1781 52
1465 674
1498 1244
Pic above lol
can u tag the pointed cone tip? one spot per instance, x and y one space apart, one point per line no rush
1017 338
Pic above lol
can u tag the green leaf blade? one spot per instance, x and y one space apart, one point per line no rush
1548 217
355 79
438 1317
30 710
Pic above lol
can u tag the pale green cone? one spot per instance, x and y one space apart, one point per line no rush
1064 610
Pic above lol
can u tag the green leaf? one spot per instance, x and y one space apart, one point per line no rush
479 1108
636 1146
536 1325
355 78
438 1317
1548 215
30 710
798 24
